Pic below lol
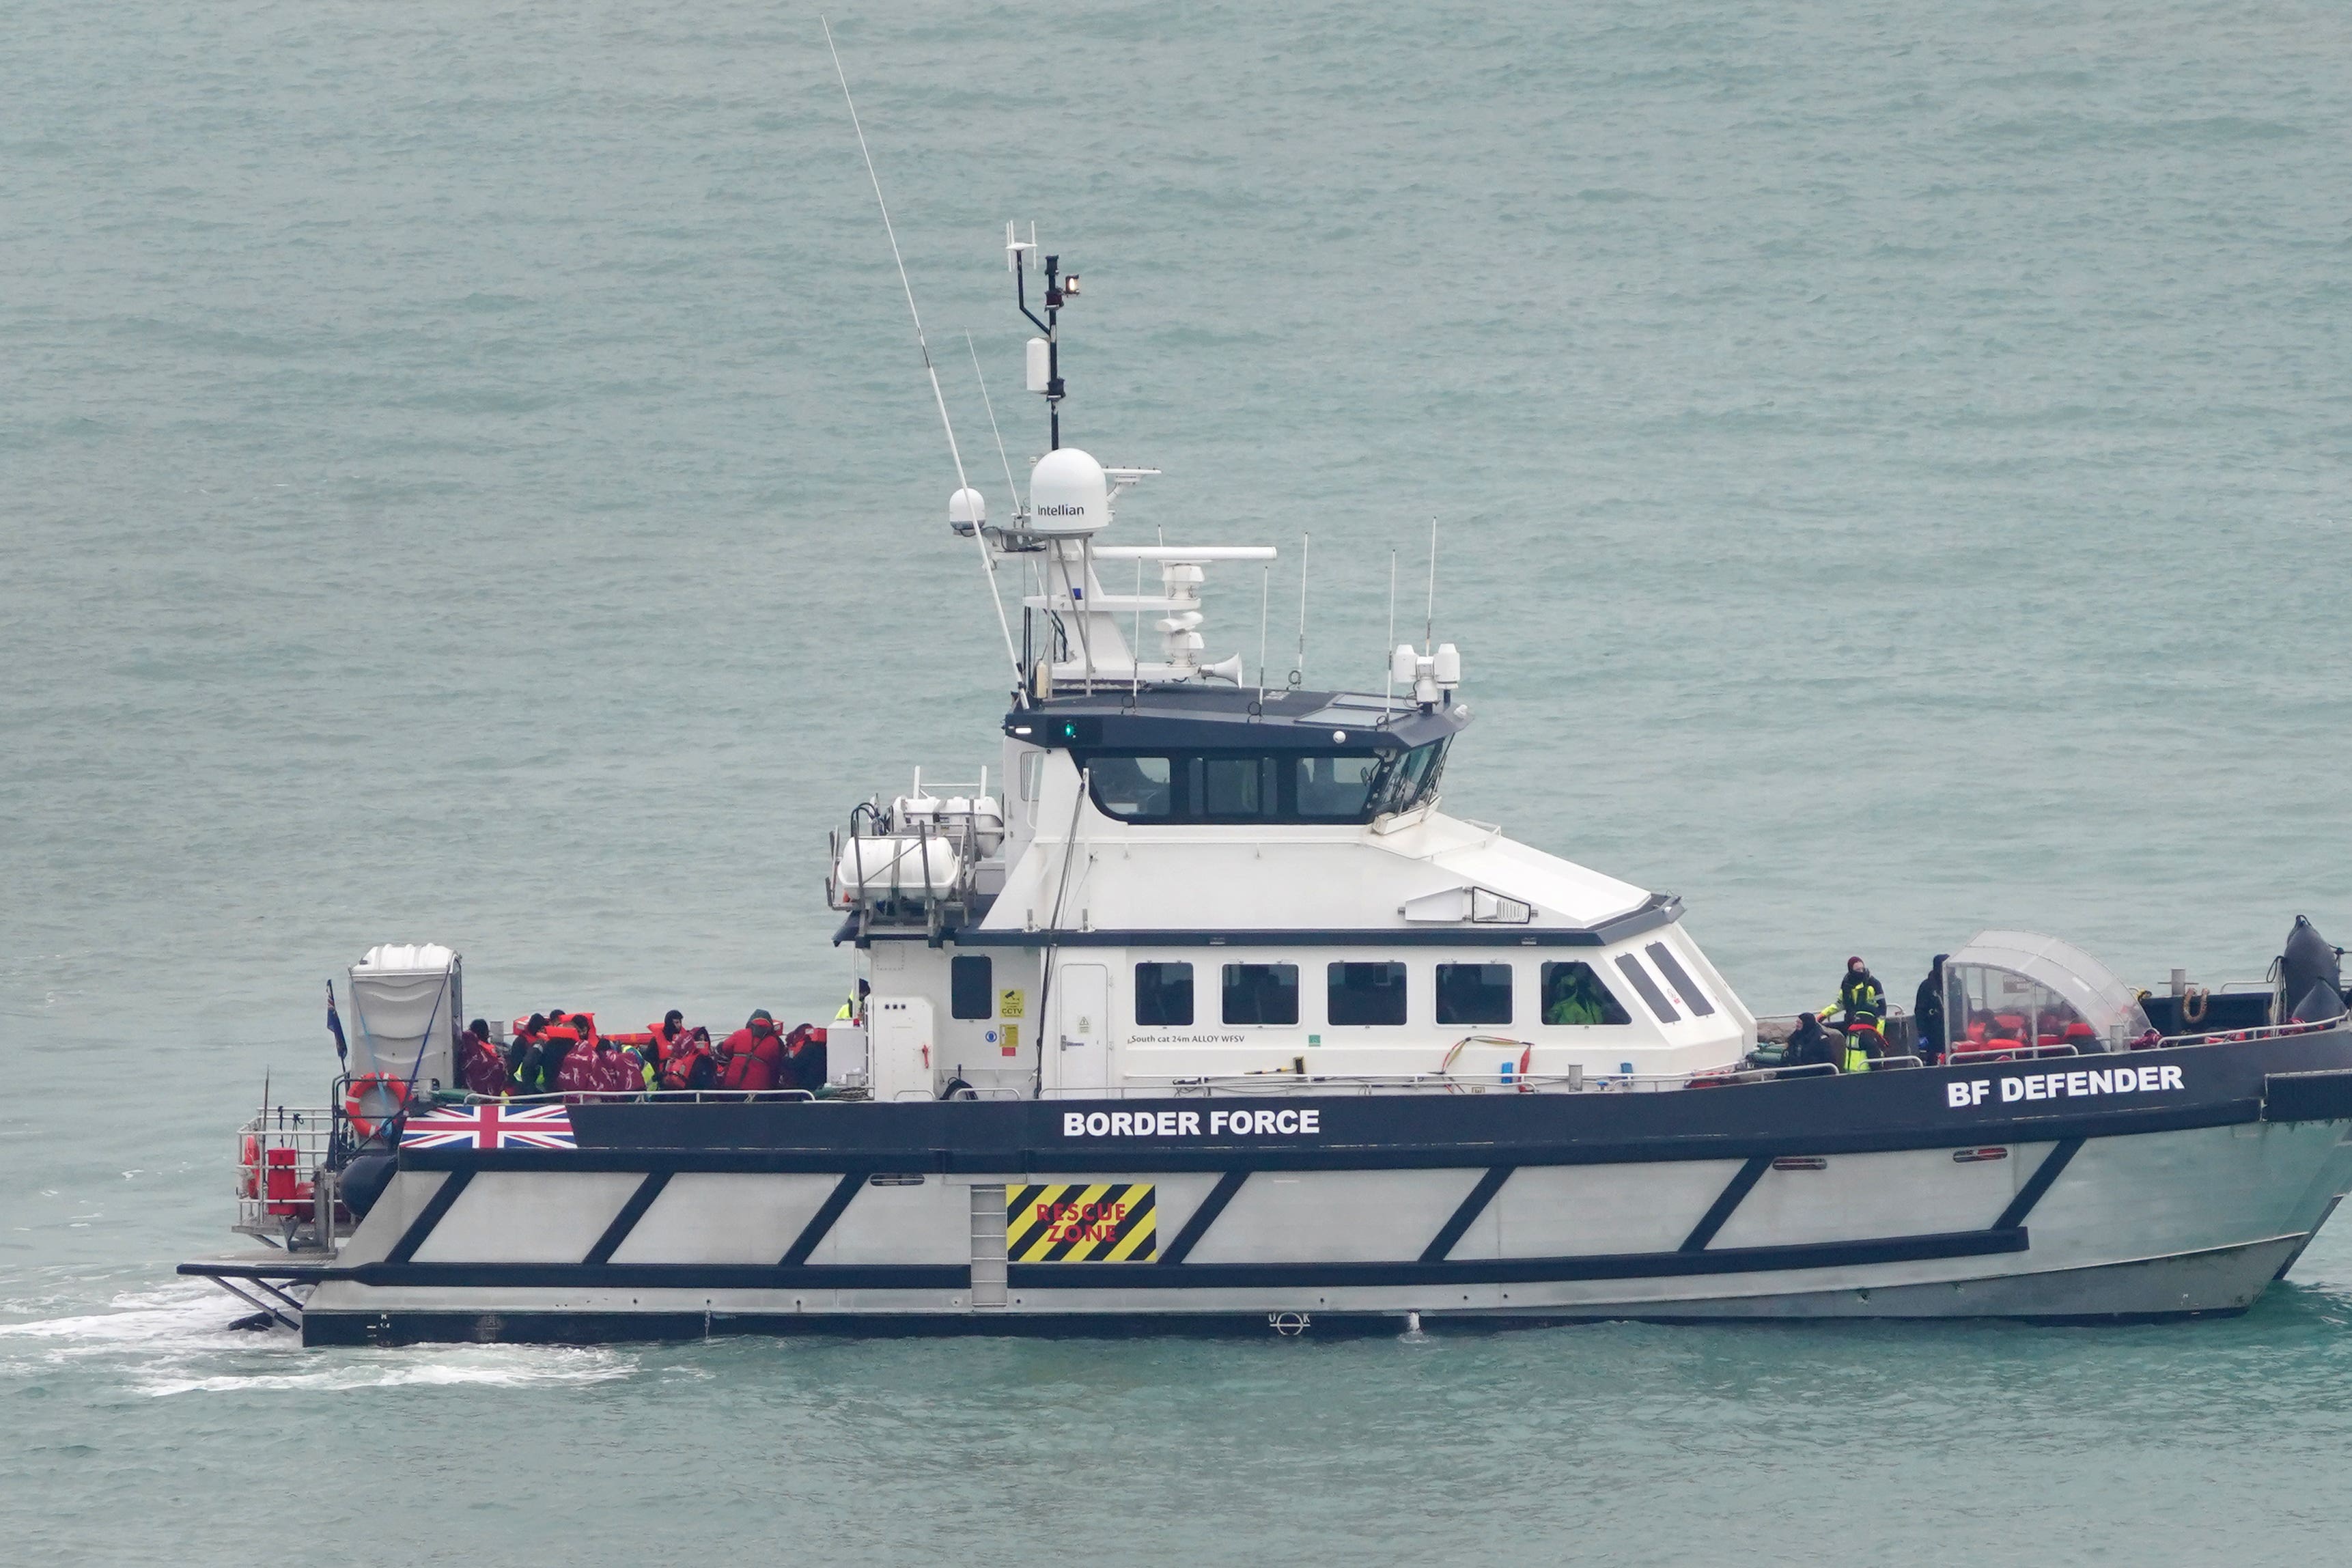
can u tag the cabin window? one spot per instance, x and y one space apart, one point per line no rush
1229 789
1411 780
1573 993
1365 993
1680 979
971 988
1633 969
1134 789
1474 992
1163 995
1335 786
1254 787
1261 994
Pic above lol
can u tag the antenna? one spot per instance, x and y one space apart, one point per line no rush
1298 671
1387 662
993 430
1429 622
1047 376
987 565
1264 597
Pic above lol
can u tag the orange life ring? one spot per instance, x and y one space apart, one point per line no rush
373 1100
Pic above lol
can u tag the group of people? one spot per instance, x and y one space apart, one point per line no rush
560 1052
1850 1034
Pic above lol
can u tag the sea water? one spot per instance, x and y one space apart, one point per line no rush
467 475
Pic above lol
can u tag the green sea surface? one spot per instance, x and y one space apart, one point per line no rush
467 475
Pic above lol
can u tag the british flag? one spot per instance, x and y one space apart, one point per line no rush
490 1127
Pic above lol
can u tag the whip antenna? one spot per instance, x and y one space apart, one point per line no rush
1429 620
1015 490
987 565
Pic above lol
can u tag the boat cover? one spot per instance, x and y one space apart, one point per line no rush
2088 986
405 1003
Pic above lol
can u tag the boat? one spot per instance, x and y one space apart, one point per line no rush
1196 1010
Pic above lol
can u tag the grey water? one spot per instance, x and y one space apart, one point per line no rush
466 475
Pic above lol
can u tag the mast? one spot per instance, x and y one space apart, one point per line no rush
1046 369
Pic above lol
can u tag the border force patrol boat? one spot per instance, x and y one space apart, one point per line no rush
1205 1013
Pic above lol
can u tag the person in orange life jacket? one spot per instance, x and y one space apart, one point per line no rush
597 1065
667 1035
480 1066
804 1063
526 1056
750 1056
555 1044
690 1064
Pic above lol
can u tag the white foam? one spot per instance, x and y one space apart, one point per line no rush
417 1366
176 1340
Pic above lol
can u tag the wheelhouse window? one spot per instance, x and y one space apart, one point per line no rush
1163 995
1411 780
1680 979
1261 994
1255 787
1335 785
971 988
1474 992
1134 789
1573 993
1365 994
1233 789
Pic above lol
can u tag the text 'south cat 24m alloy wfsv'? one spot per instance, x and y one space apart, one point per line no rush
1206 1015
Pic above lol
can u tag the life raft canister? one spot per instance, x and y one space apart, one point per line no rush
373 1100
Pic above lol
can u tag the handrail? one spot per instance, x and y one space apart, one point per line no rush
626 1097
2233 1037
2020 1051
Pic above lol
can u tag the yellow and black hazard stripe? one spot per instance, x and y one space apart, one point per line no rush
1073 1222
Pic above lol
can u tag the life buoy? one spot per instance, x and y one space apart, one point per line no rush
373 1100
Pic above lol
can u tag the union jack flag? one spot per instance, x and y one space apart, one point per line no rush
490 1127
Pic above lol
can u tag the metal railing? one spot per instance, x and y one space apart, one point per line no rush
2234 1037
284 1193
2019 1052
664 1096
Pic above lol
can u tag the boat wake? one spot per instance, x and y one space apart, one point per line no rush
175 1340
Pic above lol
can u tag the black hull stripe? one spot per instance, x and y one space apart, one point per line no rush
1149 1276
2054 1164
844 1193
1202 1219
1466 1216
666 1276
436 1209
1145 1155
1734 1193
626 1220
1517 1270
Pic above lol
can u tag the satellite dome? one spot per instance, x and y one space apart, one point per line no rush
1069 495
967 509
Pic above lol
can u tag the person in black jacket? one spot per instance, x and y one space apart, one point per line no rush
1809 1044
1928 1013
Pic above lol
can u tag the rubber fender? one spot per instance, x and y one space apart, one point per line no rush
2309 960
364 1180
2321 1003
